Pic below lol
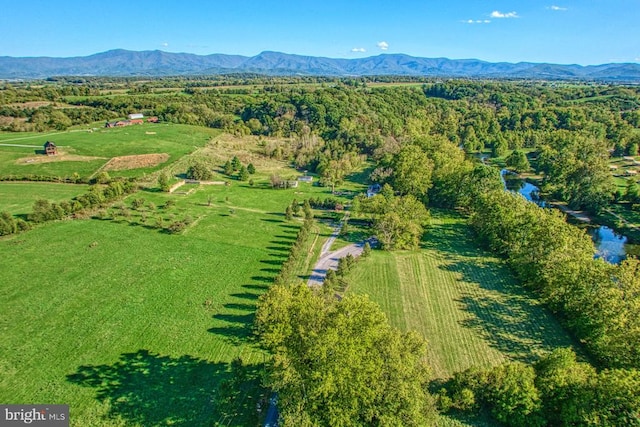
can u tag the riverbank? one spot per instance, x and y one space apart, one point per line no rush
613 236
581 216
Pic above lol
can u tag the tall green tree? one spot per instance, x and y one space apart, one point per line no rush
340 363
518 161
412 170
576 169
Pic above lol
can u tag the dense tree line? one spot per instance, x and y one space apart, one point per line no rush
287 271
598 301
557 390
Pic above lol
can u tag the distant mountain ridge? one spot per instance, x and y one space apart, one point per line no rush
120 62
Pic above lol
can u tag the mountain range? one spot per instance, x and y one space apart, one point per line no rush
121 62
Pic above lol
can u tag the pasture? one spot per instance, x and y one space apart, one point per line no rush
85 151
17 198
133 326
461 299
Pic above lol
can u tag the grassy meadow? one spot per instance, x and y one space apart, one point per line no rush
461 299
132 326
18 197
86 151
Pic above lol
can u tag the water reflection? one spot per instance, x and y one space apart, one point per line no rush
610 246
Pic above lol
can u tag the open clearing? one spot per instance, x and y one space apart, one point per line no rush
110 315
84 151
461 299
18 197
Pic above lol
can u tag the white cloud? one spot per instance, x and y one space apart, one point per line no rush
498 14
477 21
165 44
383 45
557 8
358 49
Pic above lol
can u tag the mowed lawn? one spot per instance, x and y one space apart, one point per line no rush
132 326
461 299
17 198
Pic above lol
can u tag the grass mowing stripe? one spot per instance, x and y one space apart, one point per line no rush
461 299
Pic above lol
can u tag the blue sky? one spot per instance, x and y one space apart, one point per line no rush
571 31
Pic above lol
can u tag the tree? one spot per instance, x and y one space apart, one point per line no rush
244 174
306 208
340 363
288 213
251 169
576 170
163 182
228 168
632 193
332 173
564 386
499 147
518 161
235 163
58 120
199 171
412 171
399 221
295 207
8 224
470 141
276 180
103 178
512 394
41 211
366 251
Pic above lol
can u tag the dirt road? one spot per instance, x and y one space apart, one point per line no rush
330 262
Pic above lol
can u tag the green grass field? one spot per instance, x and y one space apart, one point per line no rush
84 152
17 197
461 299
132 326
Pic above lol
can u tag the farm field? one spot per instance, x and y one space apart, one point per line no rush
18 197
133 326
461 299
84 151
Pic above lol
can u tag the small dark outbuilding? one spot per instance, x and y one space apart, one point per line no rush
50 148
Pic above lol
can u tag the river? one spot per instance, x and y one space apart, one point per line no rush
610 246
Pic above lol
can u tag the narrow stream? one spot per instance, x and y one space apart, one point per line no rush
610 246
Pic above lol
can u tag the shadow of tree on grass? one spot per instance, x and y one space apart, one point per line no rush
513 325
153 390
150 389
500 310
